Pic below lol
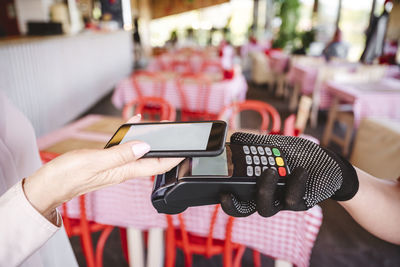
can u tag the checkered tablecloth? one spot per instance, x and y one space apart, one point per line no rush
222 93
278 62
307 75
288 235
374 99
193 61
254 47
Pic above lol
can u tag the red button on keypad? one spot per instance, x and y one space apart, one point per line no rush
282 171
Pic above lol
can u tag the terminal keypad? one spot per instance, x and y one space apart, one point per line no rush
260 158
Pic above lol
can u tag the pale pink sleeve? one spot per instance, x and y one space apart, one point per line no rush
23 229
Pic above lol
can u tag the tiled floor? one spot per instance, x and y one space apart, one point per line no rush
341 241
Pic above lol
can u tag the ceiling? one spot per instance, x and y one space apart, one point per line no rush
162 8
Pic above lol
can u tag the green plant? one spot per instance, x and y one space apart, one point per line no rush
288 11
307 38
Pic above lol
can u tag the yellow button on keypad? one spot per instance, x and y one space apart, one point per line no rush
279 161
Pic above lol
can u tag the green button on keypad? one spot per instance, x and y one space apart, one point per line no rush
276 152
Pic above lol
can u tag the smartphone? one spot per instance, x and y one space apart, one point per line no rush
175 139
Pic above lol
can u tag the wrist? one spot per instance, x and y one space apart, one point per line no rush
350 183
40 195
358 195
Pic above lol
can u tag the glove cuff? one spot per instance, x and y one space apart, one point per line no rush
350 182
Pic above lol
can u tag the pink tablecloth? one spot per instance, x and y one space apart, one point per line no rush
375 99
279 62
190 62
306 76
288 235
254 47
222 93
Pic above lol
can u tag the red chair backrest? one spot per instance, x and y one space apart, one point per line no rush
158 105
152 79
289 128
211 65
47 156
264 109
181 66
295 124
164 61
203 87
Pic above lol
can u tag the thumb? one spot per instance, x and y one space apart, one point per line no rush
267 199
236 208
296 186
123 154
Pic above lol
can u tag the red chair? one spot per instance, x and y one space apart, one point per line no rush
182 66
158 106
196 60
82 227
199 85
266 111
289 127
212 66
164 61
295 124
208 247
165 112
147 83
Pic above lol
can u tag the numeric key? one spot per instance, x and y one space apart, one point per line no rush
271 161
248 159
257 170
256 160
264 160
249 171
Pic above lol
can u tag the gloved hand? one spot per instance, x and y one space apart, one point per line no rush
316 174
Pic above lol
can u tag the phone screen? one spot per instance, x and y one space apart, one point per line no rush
210 165
171 137
218 166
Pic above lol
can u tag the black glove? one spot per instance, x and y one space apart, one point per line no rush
316 174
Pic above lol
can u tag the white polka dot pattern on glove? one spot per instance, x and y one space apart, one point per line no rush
325 174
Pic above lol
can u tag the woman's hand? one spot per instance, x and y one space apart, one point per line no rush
81 171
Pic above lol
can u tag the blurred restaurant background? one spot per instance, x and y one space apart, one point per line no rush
325 70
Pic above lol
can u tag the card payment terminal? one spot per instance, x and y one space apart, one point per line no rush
200 181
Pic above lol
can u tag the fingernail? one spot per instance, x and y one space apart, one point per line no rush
139 149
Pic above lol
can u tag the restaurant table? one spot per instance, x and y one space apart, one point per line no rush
254 47
222 92
287 236
279 62
305 79
192 60
310 77
305 76
378 99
